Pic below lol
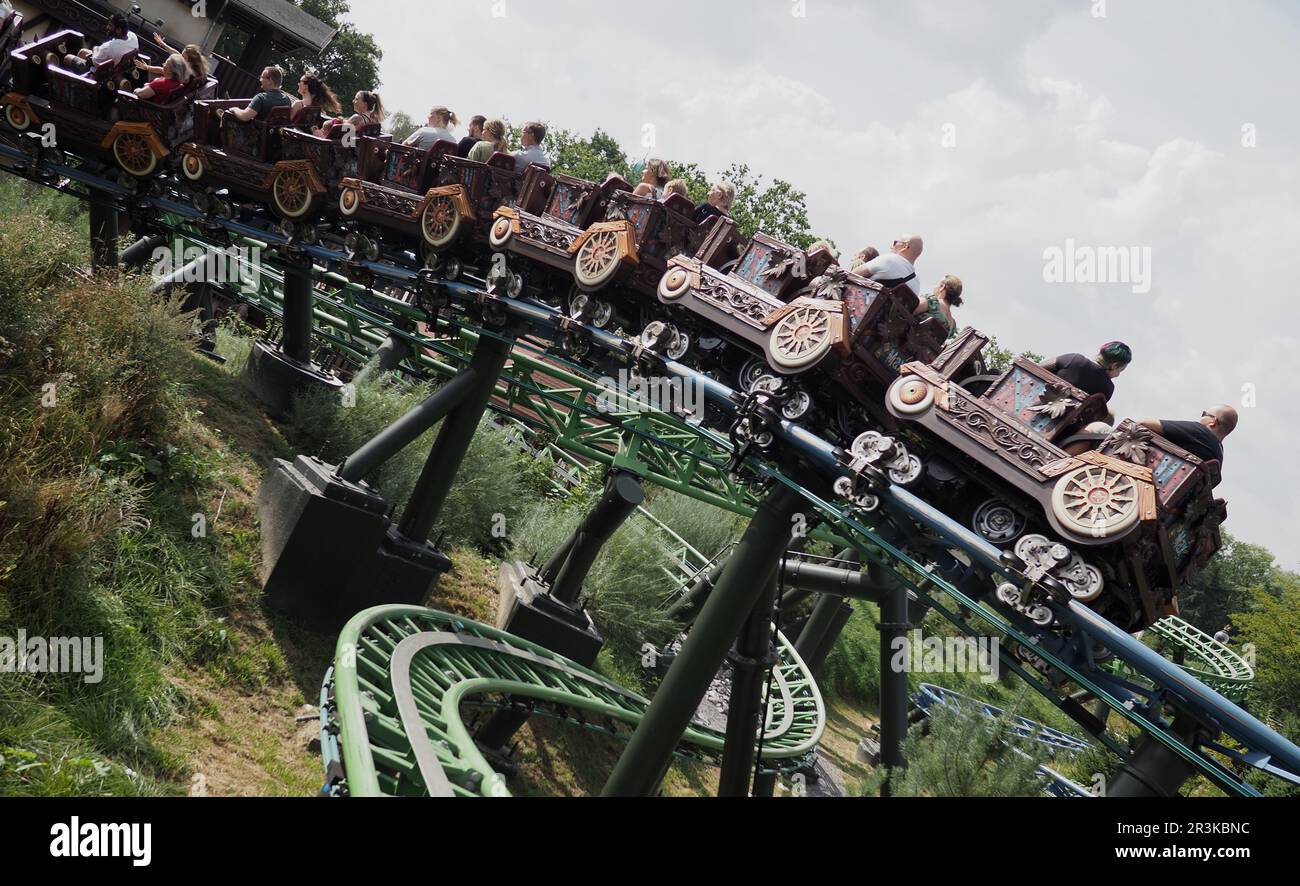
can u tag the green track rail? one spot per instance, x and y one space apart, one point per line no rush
403 675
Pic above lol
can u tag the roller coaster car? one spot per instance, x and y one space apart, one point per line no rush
403 201
312 169
11 37
553 236
231 154
468 194
1136 517
90 114
790 307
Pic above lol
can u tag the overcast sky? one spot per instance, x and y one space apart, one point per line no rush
996 130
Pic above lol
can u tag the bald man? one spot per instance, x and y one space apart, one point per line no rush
1203 438
898 266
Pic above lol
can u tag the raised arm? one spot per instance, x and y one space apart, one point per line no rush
171 50
1153 424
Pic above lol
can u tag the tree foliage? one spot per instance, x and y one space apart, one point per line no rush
1228 584
349 64
958 753
401 125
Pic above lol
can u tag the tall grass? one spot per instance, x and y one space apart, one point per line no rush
495 482
100 476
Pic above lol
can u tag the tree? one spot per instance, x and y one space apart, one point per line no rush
401 125
1228 583
349 64
998 359
1273 626
956 752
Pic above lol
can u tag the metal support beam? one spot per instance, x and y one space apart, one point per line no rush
893 681
138 254
817 660
686 608
748 575
387 358
1155 770
407 429
453 441
815 629
623 494
751 658
296 341
103 234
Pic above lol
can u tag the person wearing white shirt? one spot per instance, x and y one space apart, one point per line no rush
531 137
121 40
439 129
898 266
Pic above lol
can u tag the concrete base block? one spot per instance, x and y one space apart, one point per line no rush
275 377
399 571
317 532
528 611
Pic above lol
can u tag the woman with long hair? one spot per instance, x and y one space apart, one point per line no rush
196 64
369 111
314 95
494 142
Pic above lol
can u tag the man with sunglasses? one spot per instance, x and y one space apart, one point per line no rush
271 97
1203 438
896 267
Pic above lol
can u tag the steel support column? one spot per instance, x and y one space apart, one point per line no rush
623 494
407 429
103 233
893 681
453 441
641 767
296 340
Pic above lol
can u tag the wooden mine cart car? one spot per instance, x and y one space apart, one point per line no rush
403 202
825 335
1122 527
457 218
90 115
551 237
11 37
268 160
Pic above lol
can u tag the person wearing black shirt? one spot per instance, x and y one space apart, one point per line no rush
1203 438
1093 376
475 136
721 196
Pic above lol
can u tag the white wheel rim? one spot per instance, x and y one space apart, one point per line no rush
597 260
674 284
18 118
440 222
192 166
1096 502
801 338
502 231
349 201
911 395
132 139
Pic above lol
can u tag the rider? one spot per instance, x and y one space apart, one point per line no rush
898 266
1093 376
1202 438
